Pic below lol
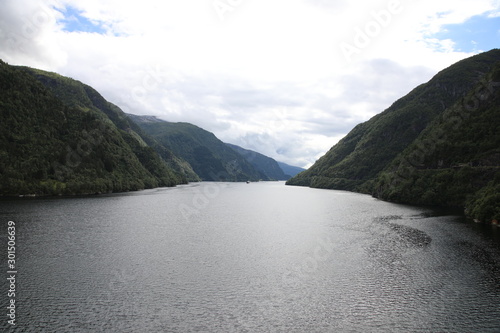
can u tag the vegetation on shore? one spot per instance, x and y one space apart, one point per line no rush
439 145
58 137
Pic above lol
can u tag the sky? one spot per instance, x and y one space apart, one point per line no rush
288 79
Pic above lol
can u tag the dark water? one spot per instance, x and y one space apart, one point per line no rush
259 257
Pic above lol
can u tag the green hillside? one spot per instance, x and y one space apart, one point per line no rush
210 158
55 139
356 162
456 160
266 165
76 94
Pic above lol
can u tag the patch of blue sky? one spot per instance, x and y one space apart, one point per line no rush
73 21
479 33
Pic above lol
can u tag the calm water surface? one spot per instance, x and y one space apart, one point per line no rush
259 257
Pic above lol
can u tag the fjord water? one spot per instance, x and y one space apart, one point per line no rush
258 257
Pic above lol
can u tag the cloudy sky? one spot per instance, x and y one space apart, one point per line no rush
287 78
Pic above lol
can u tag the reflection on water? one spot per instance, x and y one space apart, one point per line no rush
259 257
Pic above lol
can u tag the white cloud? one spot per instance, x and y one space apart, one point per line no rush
270 76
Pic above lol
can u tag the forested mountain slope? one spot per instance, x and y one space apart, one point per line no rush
456 159
210 158
266 165
363 159
54 139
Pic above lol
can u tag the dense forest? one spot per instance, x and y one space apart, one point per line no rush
59 136
55 139
456 160
438 145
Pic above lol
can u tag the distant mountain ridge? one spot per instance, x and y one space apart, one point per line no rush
144 119
290 169
210 158
266 165
371 158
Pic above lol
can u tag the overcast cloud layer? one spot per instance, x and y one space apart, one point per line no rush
285 78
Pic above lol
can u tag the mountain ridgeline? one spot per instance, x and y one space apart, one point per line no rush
438 145
59 136
265 165
211 159
290 170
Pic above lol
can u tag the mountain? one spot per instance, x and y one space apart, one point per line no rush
456 159
57 137
210 158
266 165
427 148
289 169
76 94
